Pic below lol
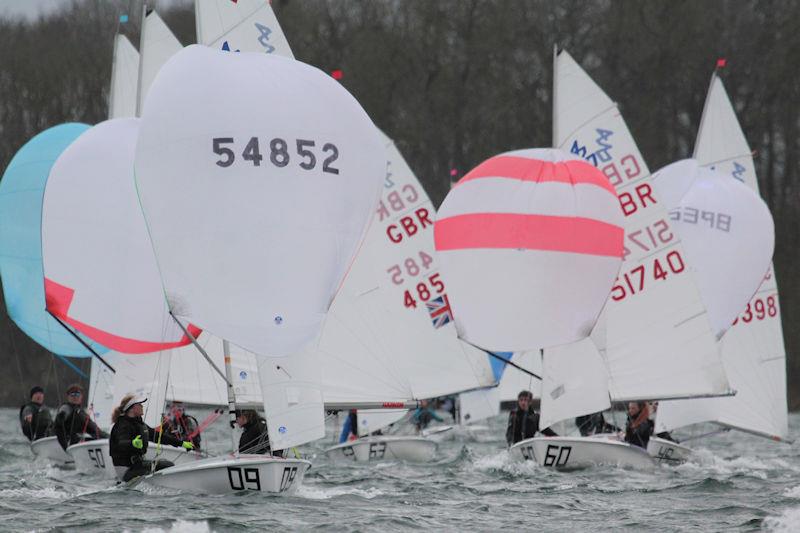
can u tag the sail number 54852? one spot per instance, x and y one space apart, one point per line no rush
279 153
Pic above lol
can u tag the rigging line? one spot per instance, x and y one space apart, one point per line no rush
200 349
83 342
506 361
19 367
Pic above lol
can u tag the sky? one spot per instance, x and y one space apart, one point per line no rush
29 9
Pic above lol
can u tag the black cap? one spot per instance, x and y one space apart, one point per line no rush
36 389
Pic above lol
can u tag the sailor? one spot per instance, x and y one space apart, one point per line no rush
593 424
423 416
34 417
73 422
255 438
350 427
523 422
181 425
639 427
129 439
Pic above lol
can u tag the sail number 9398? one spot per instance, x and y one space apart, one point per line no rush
281 153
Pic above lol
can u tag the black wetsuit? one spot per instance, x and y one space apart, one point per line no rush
255 438
41 424
593 424
640 435
524 425
72 422
123 453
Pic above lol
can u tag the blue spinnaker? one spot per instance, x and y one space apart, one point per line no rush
21 193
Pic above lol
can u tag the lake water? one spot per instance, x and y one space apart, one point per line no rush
736 482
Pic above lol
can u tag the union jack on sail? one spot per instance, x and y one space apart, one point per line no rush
439 309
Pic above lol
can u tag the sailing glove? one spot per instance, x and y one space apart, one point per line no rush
188 445
137 442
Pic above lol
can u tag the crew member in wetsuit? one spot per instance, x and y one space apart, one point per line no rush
523 422
593 424
350 427
72 420
255 438
639 427
180 425
129 439
423 415
34 416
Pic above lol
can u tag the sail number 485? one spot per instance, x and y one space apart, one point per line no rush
279 154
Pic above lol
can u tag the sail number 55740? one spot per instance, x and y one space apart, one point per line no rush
279 153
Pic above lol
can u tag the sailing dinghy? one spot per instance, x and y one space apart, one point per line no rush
654 339
753 351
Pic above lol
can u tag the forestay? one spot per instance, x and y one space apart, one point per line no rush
21 192
657 340
721 222
548 227
514 381
101 276
752 350
122 97
157 45
296 177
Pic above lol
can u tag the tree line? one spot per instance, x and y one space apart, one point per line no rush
454 82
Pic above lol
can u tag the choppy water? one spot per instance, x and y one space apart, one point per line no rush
736 482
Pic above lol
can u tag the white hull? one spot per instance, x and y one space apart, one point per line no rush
381 448
224 475
92 456
581 452
50 449
665 451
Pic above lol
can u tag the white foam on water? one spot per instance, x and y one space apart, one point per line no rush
788 521
316 493
180 526
793 492
47 492
503 462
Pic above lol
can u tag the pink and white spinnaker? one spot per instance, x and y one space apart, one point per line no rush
258 176
101 276
727 231
530 243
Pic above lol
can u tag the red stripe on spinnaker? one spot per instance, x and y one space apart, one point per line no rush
531 232
58 299
525 169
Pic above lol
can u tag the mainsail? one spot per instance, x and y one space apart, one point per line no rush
124 79
752 350
654 333
157 44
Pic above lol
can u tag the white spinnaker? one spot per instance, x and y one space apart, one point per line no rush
101 389
721 222
157 45
574 382
658 340
102 278
752 350
296 177
124 79
246 25
144 375
478 405
354 369
515 381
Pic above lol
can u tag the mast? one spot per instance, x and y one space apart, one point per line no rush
141 61
226 352
555 95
